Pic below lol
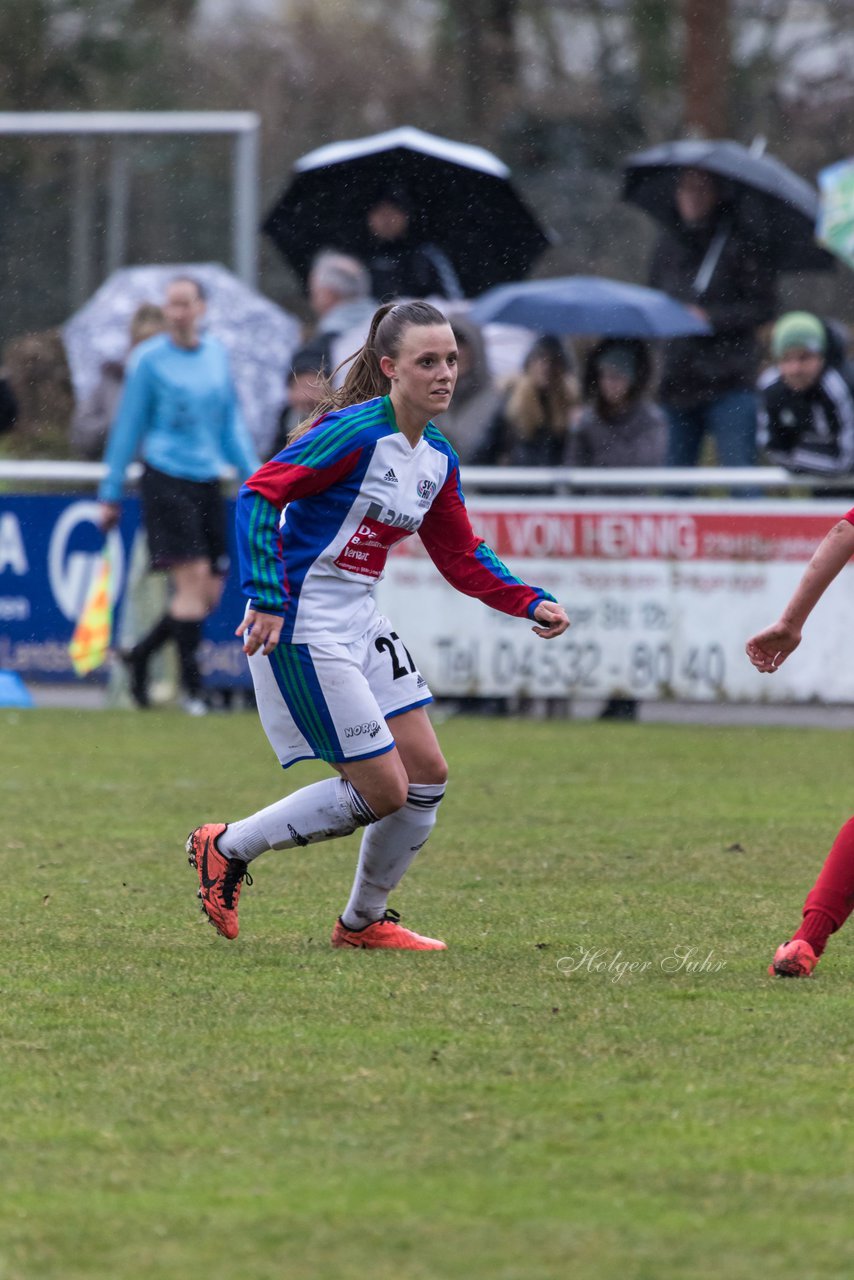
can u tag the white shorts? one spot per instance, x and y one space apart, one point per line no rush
331 701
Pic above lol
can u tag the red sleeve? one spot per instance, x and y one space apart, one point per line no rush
467 562
283 482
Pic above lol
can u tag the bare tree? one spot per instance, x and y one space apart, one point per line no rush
483 34
707 67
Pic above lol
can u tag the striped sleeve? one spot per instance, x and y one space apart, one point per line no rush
466 561
302 470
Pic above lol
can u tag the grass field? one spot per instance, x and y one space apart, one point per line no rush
518 1108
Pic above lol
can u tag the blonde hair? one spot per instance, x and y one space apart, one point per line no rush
527 409
147 320
365 379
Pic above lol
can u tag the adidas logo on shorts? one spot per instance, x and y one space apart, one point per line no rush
390 477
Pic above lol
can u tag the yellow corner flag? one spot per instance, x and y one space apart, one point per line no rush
90 642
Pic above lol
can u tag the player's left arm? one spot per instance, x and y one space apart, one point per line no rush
553 619
473 568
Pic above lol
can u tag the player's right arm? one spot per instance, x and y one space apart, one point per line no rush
260 503
259 631
770 648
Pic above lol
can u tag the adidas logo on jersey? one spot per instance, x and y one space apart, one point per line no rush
390 477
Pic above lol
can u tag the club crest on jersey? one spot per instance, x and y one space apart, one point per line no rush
426 489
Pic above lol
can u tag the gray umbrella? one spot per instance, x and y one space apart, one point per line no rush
259 336
587 304
777 206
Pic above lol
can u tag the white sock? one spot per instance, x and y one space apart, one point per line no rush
320 811
388 847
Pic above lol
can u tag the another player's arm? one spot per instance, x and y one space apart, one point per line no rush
770 648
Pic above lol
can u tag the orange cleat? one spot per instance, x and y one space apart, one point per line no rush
793 960
386 934
220 878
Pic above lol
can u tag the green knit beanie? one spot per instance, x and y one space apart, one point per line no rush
798 329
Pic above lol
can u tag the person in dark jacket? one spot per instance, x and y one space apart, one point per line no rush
401 265
619 425
806 418
8 403
715 263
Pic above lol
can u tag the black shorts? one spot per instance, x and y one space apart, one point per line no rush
184 520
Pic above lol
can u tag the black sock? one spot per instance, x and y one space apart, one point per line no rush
188 637
156 638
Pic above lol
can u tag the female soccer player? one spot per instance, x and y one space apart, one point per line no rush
333 678
831 899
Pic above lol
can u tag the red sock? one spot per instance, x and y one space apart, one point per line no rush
831 899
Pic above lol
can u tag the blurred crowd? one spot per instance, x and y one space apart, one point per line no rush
760 387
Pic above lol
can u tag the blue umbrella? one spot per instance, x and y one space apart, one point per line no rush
587 304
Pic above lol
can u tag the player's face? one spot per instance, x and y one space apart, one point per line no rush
424 372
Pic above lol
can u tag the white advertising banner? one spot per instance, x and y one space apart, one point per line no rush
662 595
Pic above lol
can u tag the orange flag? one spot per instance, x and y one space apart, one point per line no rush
90 642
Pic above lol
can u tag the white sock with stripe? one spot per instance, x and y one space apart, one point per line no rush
320 811
388 848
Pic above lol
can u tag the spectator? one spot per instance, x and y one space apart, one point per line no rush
806 418
339 292
307 388
619 426
531 426
8 403
179 410
715 265
400 265
93 417
476 397
38 374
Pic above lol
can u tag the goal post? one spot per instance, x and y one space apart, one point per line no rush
242 126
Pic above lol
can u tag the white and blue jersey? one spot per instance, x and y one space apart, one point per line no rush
350 488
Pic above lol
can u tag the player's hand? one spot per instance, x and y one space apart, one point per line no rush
109 515
260 631
553 618
770 648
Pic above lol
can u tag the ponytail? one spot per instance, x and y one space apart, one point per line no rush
365 379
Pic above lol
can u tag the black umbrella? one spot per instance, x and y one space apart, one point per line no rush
770 199
461 199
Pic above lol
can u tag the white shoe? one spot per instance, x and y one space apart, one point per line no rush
194 707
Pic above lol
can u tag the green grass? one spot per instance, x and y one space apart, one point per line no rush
173 1105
